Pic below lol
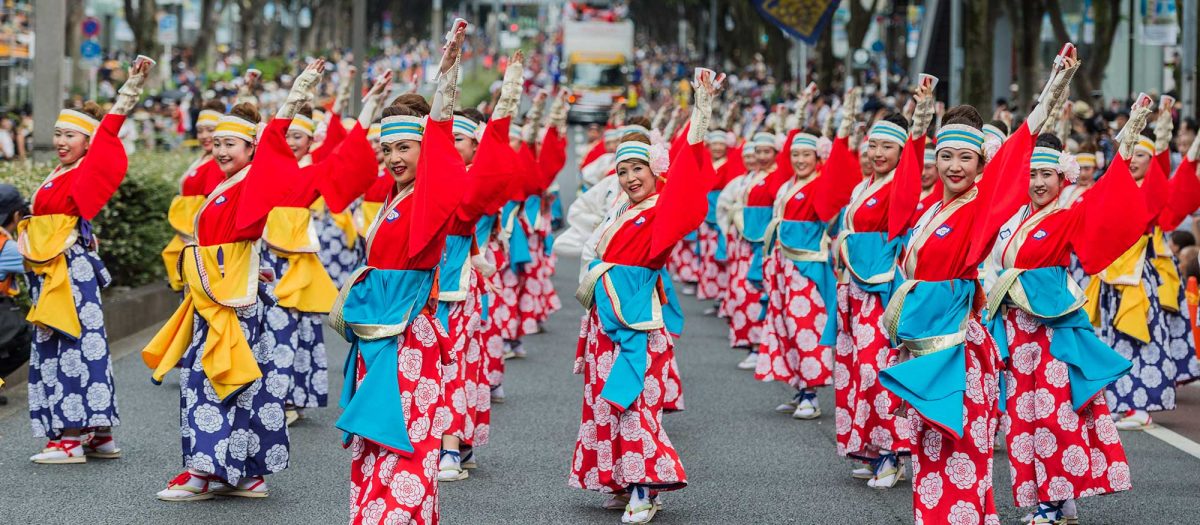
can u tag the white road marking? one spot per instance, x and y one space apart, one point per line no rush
1175 439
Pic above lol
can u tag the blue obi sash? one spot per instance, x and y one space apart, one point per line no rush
370 314
627 302
870 259
556 211
754 228
533 210
450 275
930 319
672 311
518 241
801 243
722 253
1048 294
483 230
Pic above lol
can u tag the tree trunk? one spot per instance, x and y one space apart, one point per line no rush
72 39
210 12
1096 58
144 25
1026 28
826 63
978 26
860 21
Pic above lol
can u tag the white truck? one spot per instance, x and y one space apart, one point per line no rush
596 55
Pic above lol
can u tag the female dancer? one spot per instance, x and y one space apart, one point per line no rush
71 398
712 248
293 239
339 250
728 208
745 273
624 349
801 323
951 380
461 285
867 428
1058 367
232 391
1136 302
394 417
200 178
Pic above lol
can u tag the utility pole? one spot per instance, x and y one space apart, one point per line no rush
712 31
436 27
49 48
359 41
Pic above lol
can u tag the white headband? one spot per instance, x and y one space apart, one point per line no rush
236 127
76 121
401 127
888 131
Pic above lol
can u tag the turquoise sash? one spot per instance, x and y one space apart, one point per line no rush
931 320
518 242
871 259
1045 294
672 310
807 236
450 269
374 312
483 230
624 302
754 228
533 209
722 254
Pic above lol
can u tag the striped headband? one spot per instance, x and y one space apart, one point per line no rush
612 134
930 156
70 119
208 118
888 131
1145 144
959 136
401 127
514 132
633 150
1044 158
466 126
763 138
303 124
994 131
804 141
717 137
236 127
634 128
1086 159
373 132
748 150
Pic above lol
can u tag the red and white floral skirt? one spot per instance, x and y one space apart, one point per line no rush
791 351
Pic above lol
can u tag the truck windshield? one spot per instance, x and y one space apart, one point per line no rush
597 75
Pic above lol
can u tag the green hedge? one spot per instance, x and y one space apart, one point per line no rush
133 227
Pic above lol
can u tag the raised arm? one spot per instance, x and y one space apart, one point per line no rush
1107 222
341 98
446 96
510 88
906 183
683 203
301 91
131 91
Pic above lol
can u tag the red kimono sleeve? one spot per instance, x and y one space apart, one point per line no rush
529 177
1183 196
593 154
1107 222
906 187
764 194
335 133
1163 158
733 167
347 171
489 172
440 177
839 176
271 179
683 203
1003 189
551 158
1154 189
102 169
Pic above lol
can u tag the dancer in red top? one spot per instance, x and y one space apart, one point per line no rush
200 178
72 401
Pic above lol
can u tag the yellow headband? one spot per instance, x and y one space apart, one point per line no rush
303 124
373 133
1086 159
1145 144
237 127
208 118
76 121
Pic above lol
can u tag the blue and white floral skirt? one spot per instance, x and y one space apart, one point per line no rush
301 345
339 259
246 434
1169 357
71 380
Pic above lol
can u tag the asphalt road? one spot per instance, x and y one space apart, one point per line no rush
745 463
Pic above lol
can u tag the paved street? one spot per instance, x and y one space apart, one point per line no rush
745 463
